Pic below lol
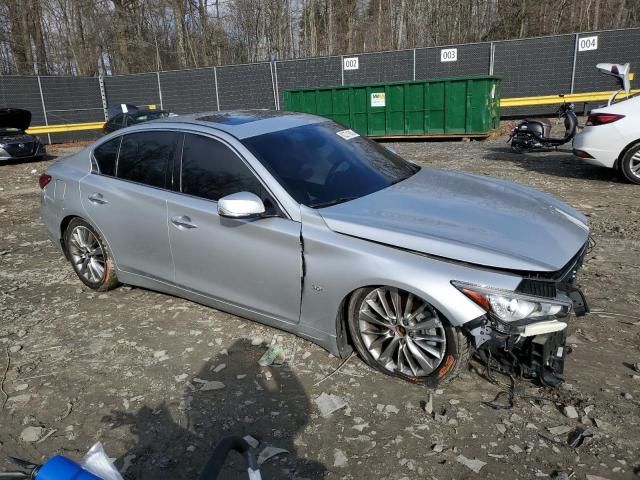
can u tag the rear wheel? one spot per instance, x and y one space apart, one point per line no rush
630 164
89 256
402 335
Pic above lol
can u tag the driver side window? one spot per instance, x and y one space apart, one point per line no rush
211 170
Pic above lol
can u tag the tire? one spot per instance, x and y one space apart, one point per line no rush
516 147
630 165
89 256
447 350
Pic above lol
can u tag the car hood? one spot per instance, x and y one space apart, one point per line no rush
469 218
15 118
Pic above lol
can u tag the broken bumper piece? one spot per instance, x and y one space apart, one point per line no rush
536 350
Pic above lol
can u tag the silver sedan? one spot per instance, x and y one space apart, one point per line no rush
296 222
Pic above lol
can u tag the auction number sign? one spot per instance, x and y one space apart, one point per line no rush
350 63
449 55
587 43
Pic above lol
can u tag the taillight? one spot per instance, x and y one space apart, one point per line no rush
582 154
602 118
44 180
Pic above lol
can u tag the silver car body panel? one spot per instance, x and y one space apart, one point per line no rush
466 217
295 271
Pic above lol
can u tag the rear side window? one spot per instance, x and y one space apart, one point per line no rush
106 155
144 157
212 170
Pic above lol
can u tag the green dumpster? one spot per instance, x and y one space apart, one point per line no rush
466 106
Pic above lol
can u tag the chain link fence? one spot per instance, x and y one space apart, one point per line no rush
528 67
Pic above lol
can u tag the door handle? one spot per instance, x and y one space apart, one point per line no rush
183 222
97 198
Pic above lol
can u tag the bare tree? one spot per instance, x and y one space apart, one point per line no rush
84 37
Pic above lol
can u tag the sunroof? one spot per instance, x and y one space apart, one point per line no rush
239 118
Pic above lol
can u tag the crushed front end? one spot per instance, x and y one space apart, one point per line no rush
524 332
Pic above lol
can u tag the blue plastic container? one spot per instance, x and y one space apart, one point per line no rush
61 468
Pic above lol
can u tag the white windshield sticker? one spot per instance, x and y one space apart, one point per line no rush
347 134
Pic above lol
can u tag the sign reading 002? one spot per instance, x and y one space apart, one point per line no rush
350 63
449 55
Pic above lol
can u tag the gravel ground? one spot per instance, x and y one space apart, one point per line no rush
130 367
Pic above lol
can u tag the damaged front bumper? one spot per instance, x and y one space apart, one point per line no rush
534 351
532 348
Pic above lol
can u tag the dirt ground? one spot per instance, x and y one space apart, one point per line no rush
127 367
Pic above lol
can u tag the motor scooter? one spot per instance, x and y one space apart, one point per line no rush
535 134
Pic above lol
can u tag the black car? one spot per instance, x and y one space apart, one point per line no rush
15 142
121 120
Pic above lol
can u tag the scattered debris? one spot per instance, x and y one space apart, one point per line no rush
219 368
559 430
15 348
515 449
208 385
269 452
501 428
339 458
160 355
31 434
67 412
438 447
580 436
335 371
253 443
329 403
49 433
570 411
4 377
428 405
391 409
475 464
270 355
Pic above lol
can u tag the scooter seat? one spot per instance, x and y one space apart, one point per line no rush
545 124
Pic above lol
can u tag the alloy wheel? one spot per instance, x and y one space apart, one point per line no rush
86 254
402 332
634 164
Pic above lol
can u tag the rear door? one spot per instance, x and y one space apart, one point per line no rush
125 198
252 263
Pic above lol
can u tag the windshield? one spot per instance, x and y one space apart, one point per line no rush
323 164
145 117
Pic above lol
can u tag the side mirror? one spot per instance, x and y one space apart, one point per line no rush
240 205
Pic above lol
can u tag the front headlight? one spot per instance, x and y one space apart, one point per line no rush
508 306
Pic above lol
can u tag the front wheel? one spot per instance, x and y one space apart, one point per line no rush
404 336
630 165
516 146
89 256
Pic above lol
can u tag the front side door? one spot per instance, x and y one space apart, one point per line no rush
254 263
125 198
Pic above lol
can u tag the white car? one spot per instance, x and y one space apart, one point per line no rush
611 138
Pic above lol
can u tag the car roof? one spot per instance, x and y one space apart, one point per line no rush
245 123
